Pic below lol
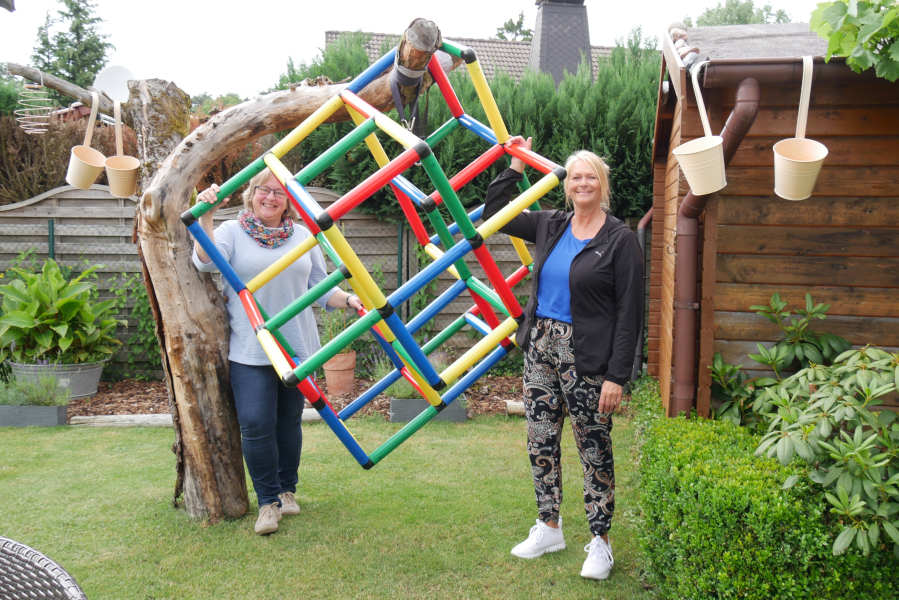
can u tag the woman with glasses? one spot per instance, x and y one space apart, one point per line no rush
269 413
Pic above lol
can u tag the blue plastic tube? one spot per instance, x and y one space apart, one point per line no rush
209 246
372 72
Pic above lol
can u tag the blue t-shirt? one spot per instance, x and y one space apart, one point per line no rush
553 292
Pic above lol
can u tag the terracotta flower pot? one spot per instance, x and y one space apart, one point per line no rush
340 373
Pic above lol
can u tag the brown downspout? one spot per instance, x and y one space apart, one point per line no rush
686 262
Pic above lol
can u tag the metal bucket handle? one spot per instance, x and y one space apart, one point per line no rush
117 113
804 96
95 104
694 72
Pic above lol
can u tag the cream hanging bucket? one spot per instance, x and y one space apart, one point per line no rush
797 160
702 159
86 163
121 170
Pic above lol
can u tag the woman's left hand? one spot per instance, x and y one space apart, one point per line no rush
354 302
609 396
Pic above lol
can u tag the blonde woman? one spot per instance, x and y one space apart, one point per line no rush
578 334
269 413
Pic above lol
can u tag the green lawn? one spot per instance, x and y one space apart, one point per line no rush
435 519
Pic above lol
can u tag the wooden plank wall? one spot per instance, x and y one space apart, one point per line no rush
841 245
666 185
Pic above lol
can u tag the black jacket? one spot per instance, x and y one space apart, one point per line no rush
606 283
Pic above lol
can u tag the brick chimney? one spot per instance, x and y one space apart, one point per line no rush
561 37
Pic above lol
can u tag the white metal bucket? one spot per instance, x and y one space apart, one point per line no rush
85 163
798 160
121 170
702 159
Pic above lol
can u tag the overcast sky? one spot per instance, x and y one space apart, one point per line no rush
208 46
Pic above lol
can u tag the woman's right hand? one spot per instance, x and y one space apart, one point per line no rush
209 196
517 164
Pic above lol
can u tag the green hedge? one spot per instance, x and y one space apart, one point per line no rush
718 525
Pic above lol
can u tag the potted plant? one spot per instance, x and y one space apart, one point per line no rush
33 402
340 369
55 325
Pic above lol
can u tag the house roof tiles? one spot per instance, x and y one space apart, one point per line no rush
493 55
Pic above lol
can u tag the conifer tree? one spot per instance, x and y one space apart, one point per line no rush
69 45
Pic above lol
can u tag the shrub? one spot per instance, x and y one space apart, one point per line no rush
827 417
797 348
44 391
716 523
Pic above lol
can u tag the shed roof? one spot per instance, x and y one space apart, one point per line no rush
493 55
748 42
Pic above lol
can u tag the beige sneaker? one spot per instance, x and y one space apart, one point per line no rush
289 504
267 522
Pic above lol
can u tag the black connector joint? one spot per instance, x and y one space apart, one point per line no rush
441 384
476 241
188 218
560 173
386 311
345 271
428 204
291 380
422 149
324 221
468 56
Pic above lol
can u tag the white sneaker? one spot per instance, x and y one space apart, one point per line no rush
541 539
599 559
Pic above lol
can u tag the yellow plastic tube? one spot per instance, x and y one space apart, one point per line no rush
478 351
273 351
279 265
307 126
511 210
487 101
372 141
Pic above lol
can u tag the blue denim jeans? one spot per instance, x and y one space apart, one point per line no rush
270 418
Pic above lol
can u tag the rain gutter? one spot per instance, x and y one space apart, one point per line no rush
686 267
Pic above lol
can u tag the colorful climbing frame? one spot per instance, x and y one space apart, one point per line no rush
495 312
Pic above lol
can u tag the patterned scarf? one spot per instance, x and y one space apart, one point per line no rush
267 237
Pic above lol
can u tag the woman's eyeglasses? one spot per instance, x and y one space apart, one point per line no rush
263 191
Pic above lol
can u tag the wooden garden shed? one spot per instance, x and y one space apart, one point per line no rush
713 256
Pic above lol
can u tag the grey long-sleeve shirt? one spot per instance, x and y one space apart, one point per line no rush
248 258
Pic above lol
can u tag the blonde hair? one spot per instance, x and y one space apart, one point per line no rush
600 169
250 191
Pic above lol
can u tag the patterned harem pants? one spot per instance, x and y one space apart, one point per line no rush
551 388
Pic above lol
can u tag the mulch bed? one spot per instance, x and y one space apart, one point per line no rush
487 396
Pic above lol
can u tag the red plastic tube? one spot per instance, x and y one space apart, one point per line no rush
496 278
531 158
449 94
249 305
373 183
472 170
411 214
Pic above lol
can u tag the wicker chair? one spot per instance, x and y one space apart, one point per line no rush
25 573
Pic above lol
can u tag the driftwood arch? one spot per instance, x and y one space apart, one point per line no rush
191 326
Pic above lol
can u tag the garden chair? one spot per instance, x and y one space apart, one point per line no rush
25 573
